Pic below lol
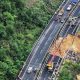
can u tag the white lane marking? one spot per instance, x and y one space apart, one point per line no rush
49 27
45 33
47 40
36 60
41 41
31 59
44 78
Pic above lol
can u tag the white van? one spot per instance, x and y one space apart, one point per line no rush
69 7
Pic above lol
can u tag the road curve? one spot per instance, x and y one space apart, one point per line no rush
43 45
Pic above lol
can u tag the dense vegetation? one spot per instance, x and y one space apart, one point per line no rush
20 25
69 71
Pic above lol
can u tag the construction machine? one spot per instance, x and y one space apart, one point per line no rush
50 63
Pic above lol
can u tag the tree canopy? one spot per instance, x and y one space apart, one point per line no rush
69 71
20 26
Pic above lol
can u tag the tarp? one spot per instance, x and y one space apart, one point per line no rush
74 1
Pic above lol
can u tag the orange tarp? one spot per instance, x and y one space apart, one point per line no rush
60 46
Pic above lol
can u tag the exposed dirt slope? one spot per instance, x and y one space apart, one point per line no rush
62 45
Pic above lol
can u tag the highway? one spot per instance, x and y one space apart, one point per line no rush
37 43
44 74
44 43
68 52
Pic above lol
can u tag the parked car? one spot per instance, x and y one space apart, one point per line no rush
29 70
35 69
69 7
62 20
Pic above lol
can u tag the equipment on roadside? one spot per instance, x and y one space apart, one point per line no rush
50 66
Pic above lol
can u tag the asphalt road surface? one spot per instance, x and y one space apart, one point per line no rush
43 45
75 14
45 75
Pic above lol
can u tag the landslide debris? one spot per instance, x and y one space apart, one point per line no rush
61 45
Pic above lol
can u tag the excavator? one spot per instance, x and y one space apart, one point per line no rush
51 62
50 65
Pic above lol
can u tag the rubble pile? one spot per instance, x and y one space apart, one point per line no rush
60 46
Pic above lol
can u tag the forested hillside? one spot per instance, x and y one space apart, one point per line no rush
69 71
21 23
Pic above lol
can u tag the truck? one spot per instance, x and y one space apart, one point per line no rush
61 12
50 63
50 66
